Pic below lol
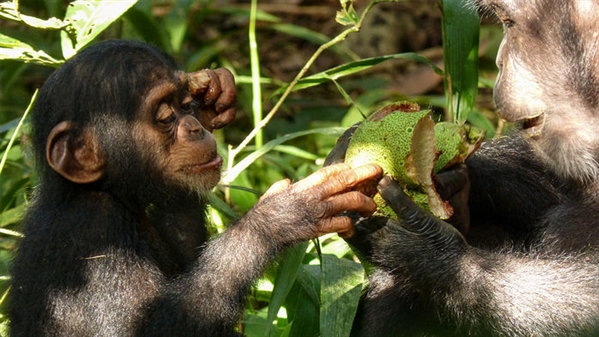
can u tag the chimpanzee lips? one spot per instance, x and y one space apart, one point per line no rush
533 126
214 163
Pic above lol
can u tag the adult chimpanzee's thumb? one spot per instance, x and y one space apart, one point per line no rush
414 218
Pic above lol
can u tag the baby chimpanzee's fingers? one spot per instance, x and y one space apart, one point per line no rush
214 87
350 201
338 178
275 188
339 224
222 119
228 94
454 186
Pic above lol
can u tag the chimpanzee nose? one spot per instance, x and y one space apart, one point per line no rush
499 57
192 128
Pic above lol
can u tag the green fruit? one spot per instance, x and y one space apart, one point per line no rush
410 147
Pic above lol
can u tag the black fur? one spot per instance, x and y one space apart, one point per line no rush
127 254
529 263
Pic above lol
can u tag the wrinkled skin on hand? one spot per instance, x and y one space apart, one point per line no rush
313 206
452 184
215 91
381 240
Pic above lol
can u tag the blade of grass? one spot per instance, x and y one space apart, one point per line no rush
461 26
255 66
17 130
257 128
233 172
351 68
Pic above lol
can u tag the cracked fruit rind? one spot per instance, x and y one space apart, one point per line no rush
411 148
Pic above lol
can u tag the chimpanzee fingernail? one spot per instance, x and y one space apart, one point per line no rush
217 125
386 181
220 107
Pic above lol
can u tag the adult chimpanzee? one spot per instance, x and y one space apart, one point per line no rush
115 238
529 263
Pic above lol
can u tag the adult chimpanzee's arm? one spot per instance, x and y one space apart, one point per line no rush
430 280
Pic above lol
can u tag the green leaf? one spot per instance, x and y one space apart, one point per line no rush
11 216
351 68
461 26
140 17
286 274
347 16
341 287
478 120
13 49
176 23
87 19
10 11
303 303
249 160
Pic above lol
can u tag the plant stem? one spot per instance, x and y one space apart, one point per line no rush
233 152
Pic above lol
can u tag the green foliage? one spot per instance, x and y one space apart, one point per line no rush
314 288
460 45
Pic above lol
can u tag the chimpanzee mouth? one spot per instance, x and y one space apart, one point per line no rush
214 163
532 126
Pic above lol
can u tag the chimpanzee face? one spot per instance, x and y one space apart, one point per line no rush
549 77
169 128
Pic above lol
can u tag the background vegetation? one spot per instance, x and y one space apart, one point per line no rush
305 70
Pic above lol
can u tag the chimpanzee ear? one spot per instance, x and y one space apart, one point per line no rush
76 158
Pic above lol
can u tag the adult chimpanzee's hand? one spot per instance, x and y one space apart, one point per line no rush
452 184
312 207
416 232
215 91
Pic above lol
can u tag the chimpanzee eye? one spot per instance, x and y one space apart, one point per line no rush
507 22
168 120
192 107
502 15
165 115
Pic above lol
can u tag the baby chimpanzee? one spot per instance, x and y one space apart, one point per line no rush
528 265
115 238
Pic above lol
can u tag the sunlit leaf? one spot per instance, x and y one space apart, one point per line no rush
87 19
340 292
13 49
8 10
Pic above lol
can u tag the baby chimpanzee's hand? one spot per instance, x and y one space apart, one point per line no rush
215 91
289 213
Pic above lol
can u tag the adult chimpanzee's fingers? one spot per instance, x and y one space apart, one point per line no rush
275 188
339 224
228 90
338 178
452 181
395 196
454 186
337 154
